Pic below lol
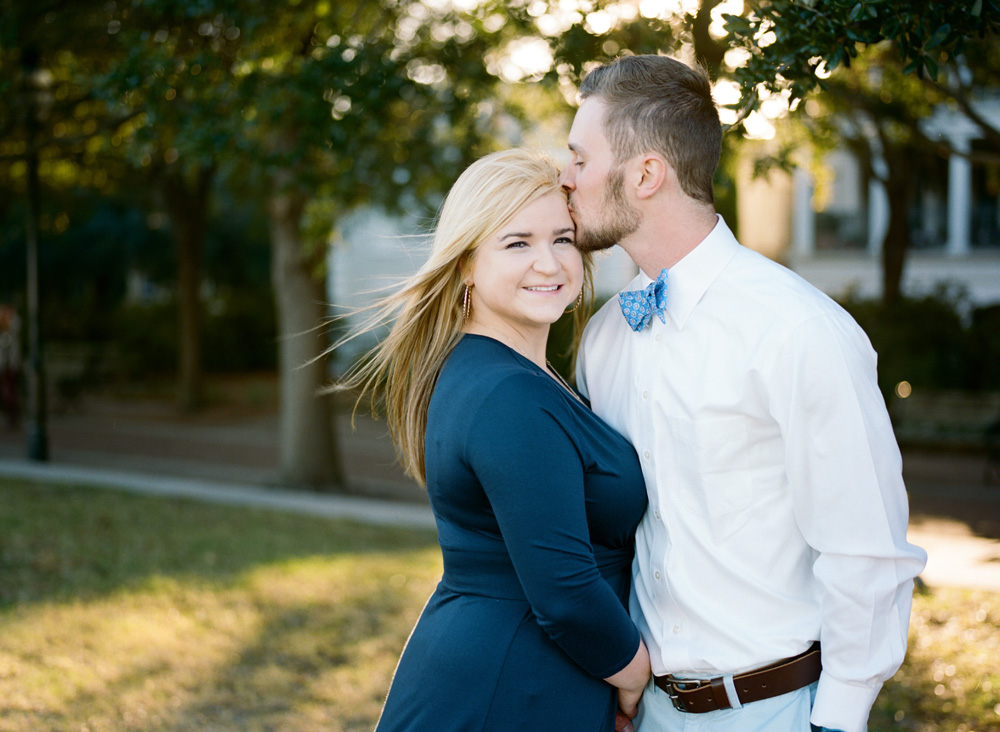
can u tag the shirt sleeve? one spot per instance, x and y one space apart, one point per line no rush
533 474
845 473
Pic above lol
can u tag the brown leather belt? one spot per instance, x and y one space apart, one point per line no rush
697 696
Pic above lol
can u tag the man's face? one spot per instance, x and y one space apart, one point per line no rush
595 183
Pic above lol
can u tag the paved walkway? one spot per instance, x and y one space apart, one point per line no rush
370 510
231 456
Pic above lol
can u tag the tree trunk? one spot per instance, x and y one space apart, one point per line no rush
308 446
187 203
708 51
897 236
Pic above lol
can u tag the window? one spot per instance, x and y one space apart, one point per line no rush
984 232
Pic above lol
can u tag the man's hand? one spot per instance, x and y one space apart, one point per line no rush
623 723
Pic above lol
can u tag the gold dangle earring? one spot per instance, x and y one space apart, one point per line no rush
577 303
466 303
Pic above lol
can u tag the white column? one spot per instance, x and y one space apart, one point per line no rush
878 216
878 202
803 216
959 200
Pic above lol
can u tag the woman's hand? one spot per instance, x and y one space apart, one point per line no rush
628 701
631 682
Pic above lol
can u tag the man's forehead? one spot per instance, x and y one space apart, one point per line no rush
588 125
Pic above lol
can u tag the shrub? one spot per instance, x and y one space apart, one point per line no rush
238 335
920 340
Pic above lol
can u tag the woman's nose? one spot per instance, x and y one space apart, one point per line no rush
546 260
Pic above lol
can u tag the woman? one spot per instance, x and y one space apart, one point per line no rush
536 499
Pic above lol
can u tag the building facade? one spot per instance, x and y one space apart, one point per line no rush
831 230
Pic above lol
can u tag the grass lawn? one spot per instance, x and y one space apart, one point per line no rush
125 613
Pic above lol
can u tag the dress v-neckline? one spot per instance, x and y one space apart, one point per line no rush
549 371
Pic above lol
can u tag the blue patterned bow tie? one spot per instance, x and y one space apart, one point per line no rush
638 306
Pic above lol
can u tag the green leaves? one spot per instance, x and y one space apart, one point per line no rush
737 24
829 35
939 37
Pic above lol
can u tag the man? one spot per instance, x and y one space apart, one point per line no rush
777 514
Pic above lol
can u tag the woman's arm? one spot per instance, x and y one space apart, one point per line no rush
527 462
631 681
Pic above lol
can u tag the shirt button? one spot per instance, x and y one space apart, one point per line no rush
657 337
677 629
656 574
645 395
646 454
657 514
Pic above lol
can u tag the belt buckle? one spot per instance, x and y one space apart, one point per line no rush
672 694
674 687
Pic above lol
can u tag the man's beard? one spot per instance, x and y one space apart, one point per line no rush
620 219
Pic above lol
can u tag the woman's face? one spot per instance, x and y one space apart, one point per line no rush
529 272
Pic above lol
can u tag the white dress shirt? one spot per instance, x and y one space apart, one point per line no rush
777 513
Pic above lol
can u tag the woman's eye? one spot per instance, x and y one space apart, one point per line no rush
516 245
565 240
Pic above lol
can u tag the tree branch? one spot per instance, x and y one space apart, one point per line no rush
961 98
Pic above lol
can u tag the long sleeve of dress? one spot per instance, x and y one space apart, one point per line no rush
533 476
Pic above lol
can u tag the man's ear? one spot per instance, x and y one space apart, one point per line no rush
653 173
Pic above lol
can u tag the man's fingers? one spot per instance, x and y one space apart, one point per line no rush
623 723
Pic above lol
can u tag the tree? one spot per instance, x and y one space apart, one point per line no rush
880 66
356 103
877 111
314 108
170 66
46 127
796 44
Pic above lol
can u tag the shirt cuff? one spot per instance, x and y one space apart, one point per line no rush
841 705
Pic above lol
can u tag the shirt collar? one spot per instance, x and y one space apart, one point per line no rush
690 278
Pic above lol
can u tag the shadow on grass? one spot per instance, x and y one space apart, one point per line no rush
60 543
312 660
311 668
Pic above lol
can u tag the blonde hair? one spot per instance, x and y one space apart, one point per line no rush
426 309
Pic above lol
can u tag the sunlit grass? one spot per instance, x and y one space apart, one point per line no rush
951 678
121 613
127 613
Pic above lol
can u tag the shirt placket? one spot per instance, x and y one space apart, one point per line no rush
673 628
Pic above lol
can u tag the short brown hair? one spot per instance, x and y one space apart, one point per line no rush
659 104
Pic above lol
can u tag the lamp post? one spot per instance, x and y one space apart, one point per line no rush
38 99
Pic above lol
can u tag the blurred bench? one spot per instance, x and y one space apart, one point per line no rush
71 369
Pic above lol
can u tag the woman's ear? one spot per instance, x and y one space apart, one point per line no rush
465 267
653 172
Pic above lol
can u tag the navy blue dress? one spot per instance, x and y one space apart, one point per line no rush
536 501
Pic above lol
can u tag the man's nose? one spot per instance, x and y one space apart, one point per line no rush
566 179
